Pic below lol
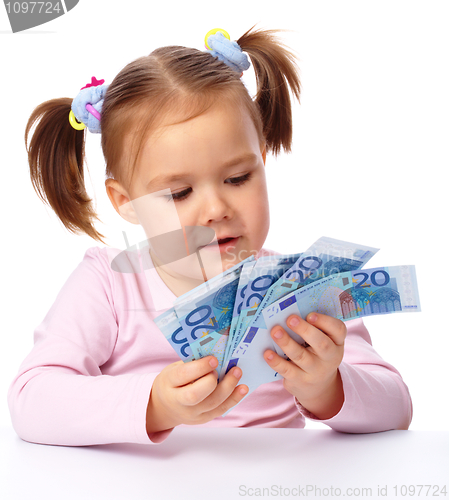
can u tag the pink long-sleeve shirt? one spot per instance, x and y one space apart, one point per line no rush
88 378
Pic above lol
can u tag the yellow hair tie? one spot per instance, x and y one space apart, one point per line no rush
212 32
74 122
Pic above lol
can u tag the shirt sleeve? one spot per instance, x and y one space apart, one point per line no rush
376 397
60 395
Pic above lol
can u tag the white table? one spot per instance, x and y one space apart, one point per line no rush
230 464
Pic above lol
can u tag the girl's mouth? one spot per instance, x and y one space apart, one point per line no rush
223 244
224 240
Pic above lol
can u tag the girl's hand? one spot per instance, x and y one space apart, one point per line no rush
311 374
188 393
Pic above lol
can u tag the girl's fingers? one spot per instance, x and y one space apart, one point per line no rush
226 394
332 327
295 352
287 369
322 333
196 392
181 373
236 396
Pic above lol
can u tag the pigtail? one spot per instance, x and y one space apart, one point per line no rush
56 159
276 72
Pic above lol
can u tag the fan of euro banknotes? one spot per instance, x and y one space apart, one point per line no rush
231 315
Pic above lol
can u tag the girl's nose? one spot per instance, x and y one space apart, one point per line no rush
214 208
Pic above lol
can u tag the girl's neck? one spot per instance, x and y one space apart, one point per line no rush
178 284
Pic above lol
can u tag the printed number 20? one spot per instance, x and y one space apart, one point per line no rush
373 278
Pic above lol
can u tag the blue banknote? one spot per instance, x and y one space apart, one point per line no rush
240 295
265 272
325 257
205 313
169 325
350 295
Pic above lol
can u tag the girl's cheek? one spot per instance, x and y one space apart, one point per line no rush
182 214
156 215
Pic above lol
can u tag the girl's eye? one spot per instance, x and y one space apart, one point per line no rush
179 196
234 181
238 181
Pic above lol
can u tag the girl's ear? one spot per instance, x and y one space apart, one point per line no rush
121 201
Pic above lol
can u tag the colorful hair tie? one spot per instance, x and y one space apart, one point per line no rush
214 32
93 111
75 123
87 105
219 44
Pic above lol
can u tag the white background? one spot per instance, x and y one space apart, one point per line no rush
369 158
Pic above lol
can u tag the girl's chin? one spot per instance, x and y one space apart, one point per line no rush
231 259
209 262
202 269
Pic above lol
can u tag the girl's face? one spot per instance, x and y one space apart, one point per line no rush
207 172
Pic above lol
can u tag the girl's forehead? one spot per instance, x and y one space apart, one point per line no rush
185 114
218 126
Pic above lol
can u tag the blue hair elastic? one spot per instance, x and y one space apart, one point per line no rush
90 97
228 52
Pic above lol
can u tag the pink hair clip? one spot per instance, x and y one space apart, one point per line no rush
93 111
93 83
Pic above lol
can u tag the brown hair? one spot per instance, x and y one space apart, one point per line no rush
170 78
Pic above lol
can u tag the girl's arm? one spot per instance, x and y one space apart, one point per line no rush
64 392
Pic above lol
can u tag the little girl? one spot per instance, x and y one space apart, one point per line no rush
185 146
